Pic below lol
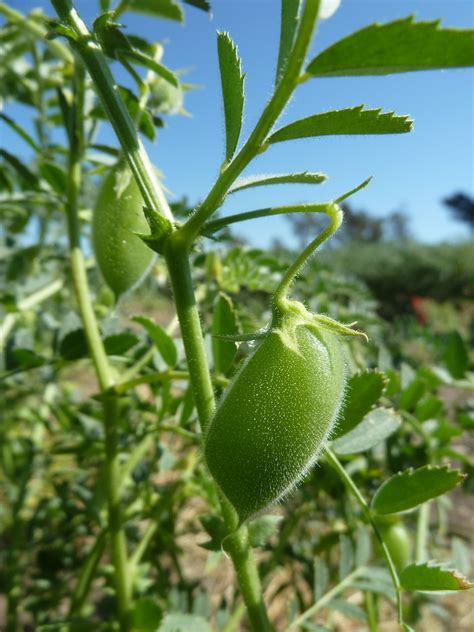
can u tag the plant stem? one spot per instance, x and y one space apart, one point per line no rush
86 574
325 599
270 114
99 357
177 259
117 113
215 225
347 480
335 219
422 530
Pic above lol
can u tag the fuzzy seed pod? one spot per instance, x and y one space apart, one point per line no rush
122 257
275 416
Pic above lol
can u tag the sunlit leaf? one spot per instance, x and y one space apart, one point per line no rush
232 81
349 121
409 489
399 46
306 177
289 23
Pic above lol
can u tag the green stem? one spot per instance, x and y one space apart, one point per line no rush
86 575
335 219
117 113
216 224
422 531
270 114
347 480
177 259
99 357
325 599
371 610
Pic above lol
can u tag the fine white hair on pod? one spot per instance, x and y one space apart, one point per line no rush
328 8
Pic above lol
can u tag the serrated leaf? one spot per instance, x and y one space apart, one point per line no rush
431 576
289 23
232 81
306 177
168 9
374 428
224 321
348 121
411 488
364 389
163 342
399 46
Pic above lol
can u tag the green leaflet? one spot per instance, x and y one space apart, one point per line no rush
411 488
398 46
232 81
289 22
363 391
376 426
432 577
306 177
162 341
161 8
354 120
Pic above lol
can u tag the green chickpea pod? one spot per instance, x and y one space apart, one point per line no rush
279 410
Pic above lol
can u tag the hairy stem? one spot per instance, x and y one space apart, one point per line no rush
335 219
238 545
107 89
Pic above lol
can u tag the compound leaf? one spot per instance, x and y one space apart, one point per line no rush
399 46
411 488
232 81
354 120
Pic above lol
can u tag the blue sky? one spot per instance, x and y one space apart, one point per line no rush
412 172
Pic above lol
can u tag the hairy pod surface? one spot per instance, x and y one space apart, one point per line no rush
122 257
276 415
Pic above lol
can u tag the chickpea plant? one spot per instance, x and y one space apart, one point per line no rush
295 400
